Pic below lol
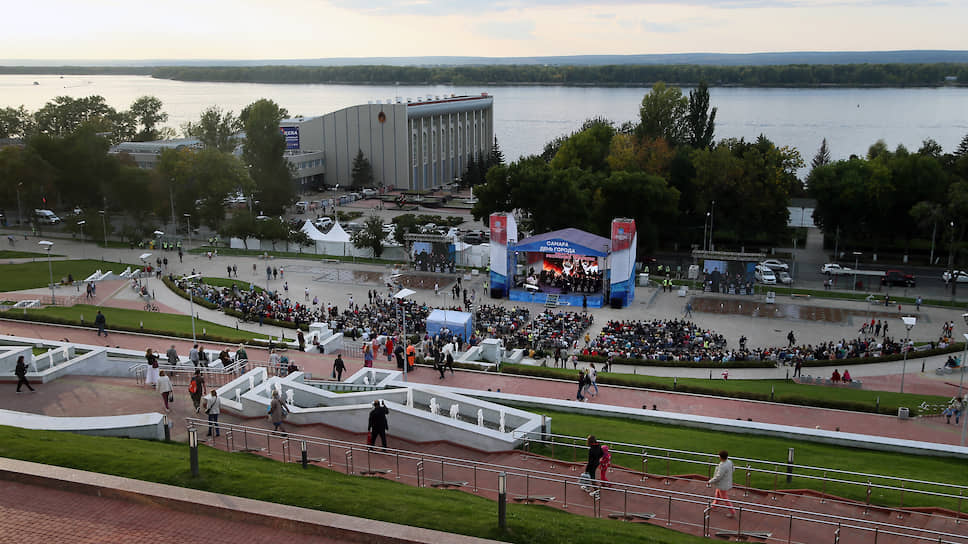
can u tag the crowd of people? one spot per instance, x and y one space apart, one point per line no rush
500 322
551 330
659 340
254 305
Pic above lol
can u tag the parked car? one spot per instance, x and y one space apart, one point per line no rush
833 269
473 238
429 228
353 228
46 217
369 193
323 222
775 264
302 206
764 275
960 276
784 277
898 278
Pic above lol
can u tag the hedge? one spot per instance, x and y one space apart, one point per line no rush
123 328
184 294
639 383
265 321
229 311
953 348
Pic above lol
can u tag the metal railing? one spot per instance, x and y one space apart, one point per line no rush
182 375
770 470
680 510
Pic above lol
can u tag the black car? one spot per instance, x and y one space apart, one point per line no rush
898 279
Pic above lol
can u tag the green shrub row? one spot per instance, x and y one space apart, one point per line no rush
266 321
184 294
953 348
123 328
229 311
639 382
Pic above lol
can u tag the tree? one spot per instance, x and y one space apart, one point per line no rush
65 115
147 114
587 149
700 121
15 123
496 156
962 150
822 157
371 236
663 114
263 151
242 225
215 128
362 175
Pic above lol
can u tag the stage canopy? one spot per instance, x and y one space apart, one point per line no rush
461 323
312 231
336 234
570 241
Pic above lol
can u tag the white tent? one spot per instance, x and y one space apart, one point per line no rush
336 234
312 231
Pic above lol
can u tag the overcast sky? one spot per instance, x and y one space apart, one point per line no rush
289 29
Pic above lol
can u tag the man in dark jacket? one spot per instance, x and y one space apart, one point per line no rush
378 423
100 322
338 367
595 454
21 372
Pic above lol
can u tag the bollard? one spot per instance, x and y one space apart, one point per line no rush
675 382
193 450
502 500
790 465
167 424
305 454
771 392
877 405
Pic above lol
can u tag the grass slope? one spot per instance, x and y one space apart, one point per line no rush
318 488
15 277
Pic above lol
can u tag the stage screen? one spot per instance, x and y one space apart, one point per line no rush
434 256
569 264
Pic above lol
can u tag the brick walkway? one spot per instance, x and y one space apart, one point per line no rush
33 514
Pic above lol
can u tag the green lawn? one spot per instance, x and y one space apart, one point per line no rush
13 254
773 450
227 282
783 390
15 277
258 478
155 322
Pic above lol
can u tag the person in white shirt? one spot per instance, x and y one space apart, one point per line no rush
593 377
164 387
212 408
722 480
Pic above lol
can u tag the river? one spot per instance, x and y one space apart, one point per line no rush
527 117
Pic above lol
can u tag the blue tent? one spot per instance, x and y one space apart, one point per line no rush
461 323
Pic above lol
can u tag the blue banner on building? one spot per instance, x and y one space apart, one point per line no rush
292 137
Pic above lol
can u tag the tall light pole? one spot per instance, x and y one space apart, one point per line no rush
961 367
400 296
104 226
909 322
171 199
46 244
81 224
712 218
705 230
857 255
191 301
188 218
20 210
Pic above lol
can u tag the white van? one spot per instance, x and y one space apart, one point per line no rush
301 206
46 217
764 275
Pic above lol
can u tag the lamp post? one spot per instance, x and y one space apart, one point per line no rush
104 226
191 301
400 296
909 322
712 219
81 224
46 244
171 199
20 210
188 218
857 255
705 230
961 367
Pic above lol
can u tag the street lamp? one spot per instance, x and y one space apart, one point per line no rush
104 225
81 224
191 301
188 218
46 244
705 230
20 211
400 295
171 199
712 218
909 322
857 255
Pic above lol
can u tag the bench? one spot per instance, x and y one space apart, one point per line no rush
799 295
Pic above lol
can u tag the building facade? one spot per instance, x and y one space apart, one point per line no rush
413 145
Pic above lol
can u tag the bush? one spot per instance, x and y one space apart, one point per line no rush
642 382
271 322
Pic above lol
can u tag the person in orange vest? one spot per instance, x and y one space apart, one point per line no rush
411 356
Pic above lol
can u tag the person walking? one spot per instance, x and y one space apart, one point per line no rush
301 338
100 322
21 372
606 463
581 385
241 358
791 339
722 480
378 425
166 390
277 411
368 355
196 390
797 368
338 367
595 454
688 310
593 378
213 406
193 356
172 355
151 376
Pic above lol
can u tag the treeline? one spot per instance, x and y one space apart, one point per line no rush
797 75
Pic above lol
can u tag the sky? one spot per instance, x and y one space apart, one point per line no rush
296 29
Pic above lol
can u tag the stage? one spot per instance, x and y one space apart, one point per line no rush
571 299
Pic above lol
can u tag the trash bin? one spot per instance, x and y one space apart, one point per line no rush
903 413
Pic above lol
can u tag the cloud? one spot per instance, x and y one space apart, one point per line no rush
661 28
503 30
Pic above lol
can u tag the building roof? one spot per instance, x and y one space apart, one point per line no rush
572 241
